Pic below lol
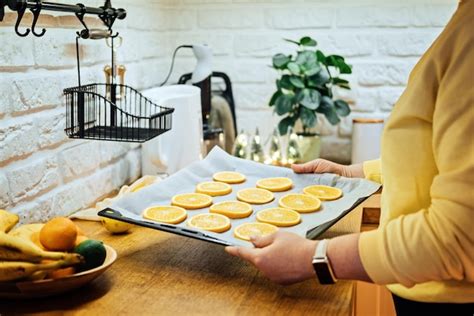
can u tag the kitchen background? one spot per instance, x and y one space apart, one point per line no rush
44 174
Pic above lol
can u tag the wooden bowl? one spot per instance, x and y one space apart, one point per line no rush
49 287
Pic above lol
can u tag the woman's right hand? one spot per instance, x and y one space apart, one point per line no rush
326 166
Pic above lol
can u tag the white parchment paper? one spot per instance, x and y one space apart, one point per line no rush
185 181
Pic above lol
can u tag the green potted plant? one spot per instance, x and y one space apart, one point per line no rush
305 89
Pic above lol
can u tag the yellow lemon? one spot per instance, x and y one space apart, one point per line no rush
231 177
213 188
323 192
114 226
216 223
192 201
279 216
255 196
247 230
275 184
166 214
300 202
232 209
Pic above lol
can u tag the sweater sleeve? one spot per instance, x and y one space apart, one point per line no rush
435 243
373 170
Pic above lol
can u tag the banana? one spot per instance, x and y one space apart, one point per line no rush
28 232
14 248
13 270
7 220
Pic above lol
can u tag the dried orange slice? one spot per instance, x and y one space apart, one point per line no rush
166 214
213 188
301 203
212 222
255 196
275 184
247 230
231 177
323 192
278 216
232 209
191 201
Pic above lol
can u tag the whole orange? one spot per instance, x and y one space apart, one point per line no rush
59 234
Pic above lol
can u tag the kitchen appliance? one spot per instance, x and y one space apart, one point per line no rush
184 143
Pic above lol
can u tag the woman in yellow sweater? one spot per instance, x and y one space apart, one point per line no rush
424 248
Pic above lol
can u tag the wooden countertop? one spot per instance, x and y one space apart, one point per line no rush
161 273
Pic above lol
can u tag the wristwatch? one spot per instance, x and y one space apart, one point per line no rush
321 264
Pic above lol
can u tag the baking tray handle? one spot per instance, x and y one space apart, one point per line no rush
111 213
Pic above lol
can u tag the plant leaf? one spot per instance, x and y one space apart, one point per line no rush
285 124
320 56
280 61
319 79
307 117
310 98
306 59
293 68
284 83
331 116
313 70
283 104
342 108
292 41
308 41
297 82
274 98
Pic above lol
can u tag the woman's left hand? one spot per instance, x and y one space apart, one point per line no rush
283 257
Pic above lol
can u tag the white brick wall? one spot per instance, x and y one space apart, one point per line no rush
42 172
382 39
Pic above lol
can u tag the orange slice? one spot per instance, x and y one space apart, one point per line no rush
231 177
165 214
279 216
192 201
323 192
216 223
275 184
246 230
301 203
232 209
213 188
255 196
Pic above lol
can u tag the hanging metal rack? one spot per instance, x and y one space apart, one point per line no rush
106 13
95 111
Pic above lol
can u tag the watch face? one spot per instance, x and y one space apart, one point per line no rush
324 271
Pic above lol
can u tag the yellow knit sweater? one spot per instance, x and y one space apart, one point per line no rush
424 248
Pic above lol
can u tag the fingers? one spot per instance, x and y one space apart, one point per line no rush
262 241
245 253
303 168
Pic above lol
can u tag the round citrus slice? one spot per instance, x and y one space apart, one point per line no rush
232 209
213 188
279 216
275 184
247 230
216 223
255 196
323 192
301 203
231 177
166 214
191 201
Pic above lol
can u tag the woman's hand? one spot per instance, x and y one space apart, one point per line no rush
283 257
326 166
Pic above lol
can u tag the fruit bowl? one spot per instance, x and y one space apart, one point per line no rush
49 287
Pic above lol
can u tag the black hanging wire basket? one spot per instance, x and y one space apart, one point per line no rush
110 111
